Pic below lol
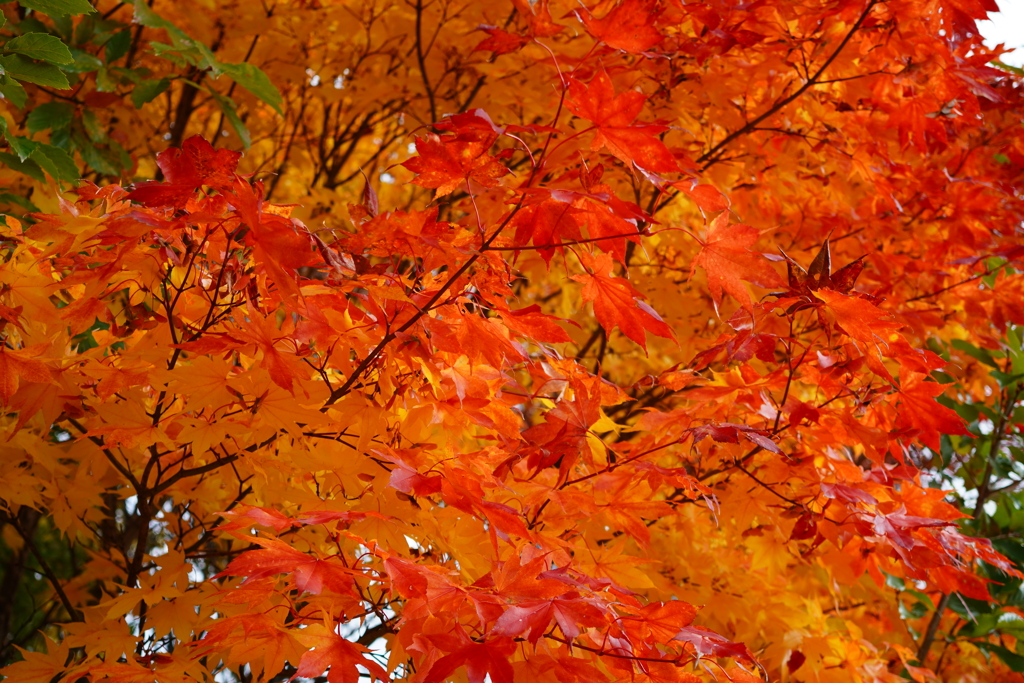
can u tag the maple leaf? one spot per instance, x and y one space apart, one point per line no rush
617 304
197 163
538 14
727 432
708 643
252 639
38 666
860 318
561 216
919 411
533 616
483 661
894 526
659 622
726 258
613 116
194 164
819 275
628 26
531 323
449 162
311 574
707 197
19 366
333 652
283 368
499 41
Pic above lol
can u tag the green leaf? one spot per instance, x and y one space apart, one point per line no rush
104 83
984 355
1005 379
231 114
93 127
41 46
172 54
969 608
21 146
56 162
50 116
18 200
195 51
145 15
13 92
58 8
1011 659
915 611
27 167
923 599
894 582
968 411
255 81
84 62
148 90
1008 67
24 69
95 158
118 45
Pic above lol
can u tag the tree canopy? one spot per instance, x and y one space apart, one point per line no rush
510 341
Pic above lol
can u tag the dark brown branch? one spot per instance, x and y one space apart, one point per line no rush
48 572
933 627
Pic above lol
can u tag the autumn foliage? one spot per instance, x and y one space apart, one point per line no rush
510 341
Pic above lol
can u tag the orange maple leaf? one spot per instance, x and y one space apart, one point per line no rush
335 653
726 257
16 366
446 163
617 304
918 410
311 574
613 115
859 318
629 26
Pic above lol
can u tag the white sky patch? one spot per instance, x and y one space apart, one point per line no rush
1006 27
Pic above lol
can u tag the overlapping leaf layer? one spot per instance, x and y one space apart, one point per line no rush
527 341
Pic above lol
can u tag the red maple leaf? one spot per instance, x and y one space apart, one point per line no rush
561 216
659 622
613 116
337 654
533 616
628 26
918 410
186 169
283 368
311 574
726 258
708 643
532 324
482 660
538 15
617 304
446 163
500 42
